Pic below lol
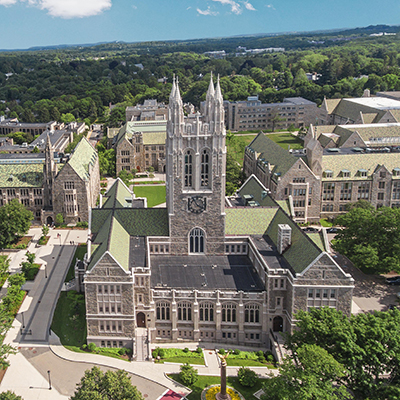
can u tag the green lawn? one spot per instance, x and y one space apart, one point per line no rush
325 223
238 362
205 381
179 356
286 139
69 322
155 194
32 272
79 253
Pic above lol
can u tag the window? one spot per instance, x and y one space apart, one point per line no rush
196 241
381 185
125 153
381 196
204 178
188 169
396 191
299 192
252 313
206 312
363 191
228 312
345 191
184 311
69 185
382 174
299 180
163 311
328 193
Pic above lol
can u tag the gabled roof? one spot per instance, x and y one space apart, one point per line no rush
21 175
84 155
267 150
154 132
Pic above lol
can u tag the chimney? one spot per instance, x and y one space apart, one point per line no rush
284 238
367 93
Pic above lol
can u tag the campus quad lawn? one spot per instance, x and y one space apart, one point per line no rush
180 356
79 253
285 139
155 194
232 381
69 322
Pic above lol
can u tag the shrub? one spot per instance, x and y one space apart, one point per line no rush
260 353
236 352
122 351
222 352
188 374
84 346
161 353
59 219
45 230
92 347
186 350
82 224
270 358
199 350
247 377
154 353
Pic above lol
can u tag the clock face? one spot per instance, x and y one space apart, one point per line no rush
197 204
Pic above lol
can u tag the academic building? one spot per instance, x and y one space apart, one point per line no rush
338 165
206 267
49 184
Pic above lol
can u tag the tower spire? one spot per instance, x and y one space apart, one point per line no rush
211 90
218 93
177 94
171 96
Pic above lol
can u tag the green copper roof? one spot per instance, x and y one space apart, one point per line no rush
119 244
84 155
154 138
21 175
279 159
303 251
248 221
255 188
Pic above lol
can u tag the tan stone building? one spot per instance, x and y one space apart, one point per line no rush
321 180
205 268
48 184
140 145
151 110
254 115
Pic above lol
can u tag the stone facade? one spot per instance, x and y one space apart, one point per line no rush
179 274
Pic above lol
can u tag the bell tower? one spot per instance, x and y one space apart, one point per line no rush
48 176
195 182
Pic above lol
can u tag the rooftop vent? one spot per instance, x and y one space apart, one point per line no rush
284 237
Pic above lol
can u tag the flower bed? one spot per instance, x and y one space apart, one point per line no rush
210 392
22 243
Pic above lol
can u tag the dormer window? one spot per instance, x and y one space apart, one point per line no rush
345 173
328 173
362 172
396 171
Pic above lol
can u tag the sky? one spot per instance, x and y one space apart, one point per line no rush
29 23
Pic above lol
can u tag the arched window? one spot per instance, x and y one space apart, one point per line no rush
184 311
163 311
188 178
228 312
252 313
205 167
206 312
196 241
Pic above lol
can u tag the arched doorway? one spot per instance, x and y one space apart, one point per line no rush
141 320
278 324
49 221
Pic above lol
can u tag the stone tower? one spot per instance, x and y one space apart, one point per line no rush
196 158
49 173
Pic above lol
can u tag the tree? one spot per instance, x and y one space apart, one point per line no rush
367 345
247 377
45 230
15 221
370 238
59 219
5 350
309 375
188 374
110 385
9 396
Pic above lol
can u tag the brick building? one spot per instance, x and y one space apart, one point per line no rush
205 268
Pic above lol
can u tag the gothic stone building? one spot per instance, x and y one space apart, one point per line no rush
206 267
48 184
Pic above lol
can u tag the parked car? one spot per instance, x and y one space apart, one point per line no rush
310 229
393 281
332 230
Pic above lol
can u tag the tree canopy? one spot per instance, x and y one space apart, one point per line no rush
109 385
370 238
15 221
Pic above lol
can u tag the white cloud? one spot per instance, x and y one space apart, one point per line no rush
206 12
7 2
66 8
249 6
189 8
235 7
134 7
270 6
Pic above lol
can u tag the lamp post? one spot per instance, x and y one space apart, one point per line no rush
48 373
23 320
45 270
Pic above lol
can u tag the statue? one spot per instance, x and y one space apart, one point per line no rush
222 395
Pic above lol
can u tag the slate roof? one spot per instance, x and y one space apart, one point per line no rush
336 162
84 155
23 175
266 149
248 221
154 132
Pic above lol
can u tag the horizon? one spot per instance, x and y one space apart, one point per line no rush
48 23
